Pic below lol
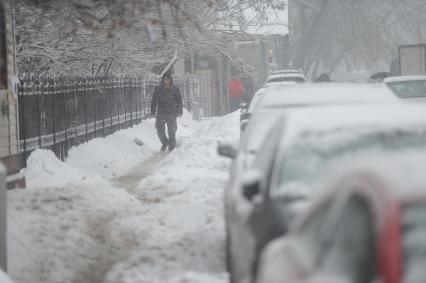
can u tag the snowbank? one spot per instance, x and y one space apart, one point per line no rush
119 212
108 157
4 278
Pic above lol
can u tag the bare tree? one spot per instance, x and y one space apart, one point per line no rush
127 36
326 34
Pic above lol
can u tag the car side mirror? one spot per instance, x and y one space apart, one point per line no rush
251 184
243 125
227 150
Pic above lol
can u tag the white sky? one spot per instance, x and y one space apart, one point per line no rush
277 23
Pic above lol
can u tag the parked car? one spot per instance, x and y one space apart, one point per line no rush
409 88
302 147
370 227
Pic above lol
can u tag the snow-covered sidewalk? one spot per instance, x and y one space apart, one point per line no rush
120 212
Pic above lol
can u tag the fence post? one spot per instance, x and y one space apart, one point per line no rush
95 109
103 102
140 96
3 219
39 93
21 101
63 148
111 107
132 100
125 104
53 94
85 103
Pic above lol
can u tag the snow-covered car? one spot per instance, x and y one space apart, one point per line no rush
369 227
262 201
408 88
276 100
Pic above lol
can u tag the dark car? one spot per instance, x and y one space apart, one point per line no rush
369 228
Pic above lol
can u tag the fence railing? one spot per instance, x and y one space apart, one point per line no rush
57 113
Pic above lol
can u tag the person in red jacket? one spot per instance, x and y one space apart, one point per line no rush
235 92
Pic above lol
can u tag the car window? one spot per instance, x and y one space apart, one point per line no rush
414 248
312 154
264 159
259 125
350 252
254 102
409 89
286 79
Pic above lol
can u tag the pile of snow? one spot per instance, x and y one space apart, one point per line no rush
117 212
4 278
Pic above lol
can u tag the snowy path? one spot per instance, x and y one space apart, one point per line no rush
160 220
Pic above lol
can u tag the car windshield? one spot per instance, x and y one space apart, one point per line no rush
312 154
258 127
414 248
286 79
409 89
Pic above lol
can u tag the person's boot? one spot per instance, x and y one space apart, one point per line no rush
172 147
163 147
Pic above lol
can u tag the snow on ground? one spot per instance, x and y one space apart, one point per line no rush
4 278
119 212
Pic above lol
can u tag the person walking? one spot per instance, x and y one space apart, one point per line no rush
235 92
166 105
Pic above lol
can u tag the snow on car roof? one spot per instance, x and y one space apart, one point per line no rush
404 79
326 118
288 71
285 75
328 93
402 171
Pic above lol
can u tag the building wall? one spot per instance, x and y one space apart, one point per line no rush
9 123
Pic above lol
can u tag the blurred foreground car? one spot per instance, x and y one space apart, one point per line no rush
305 146
409 88
366 229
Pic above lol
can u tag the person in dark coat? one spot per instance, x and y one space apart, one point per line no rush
166 104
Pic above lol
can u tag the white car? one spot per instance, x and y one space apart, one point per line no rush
303 148
410 88
272 106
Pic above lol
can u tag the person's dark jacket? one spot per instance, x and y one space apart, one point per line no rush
166 101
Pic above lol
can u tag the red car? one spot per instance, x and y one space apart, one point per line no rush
365 230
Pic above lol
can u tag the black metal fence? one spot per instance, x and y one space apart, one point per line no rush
58 113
